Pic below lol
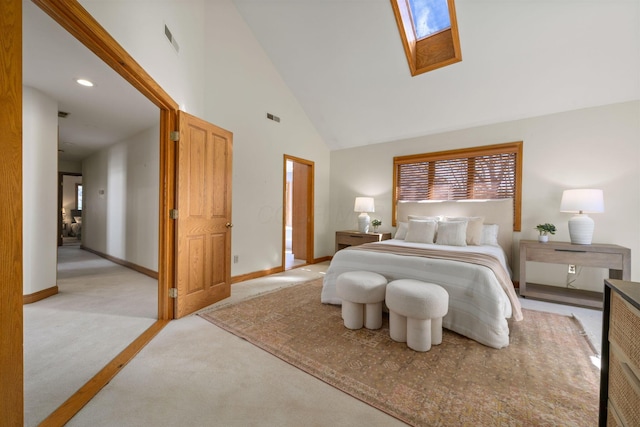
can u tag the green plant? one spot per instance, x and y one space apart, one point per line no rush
376 223
546 228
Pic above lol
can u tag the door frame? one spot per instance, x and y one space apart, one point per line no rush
80 24
310 198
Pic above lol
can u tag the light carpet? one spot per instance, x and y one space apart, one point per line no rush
544 377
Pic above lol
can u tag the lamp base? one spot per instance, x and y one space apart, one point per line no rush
581 229
363 222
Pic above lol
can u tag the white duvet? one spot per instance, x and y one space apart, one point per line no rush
478 306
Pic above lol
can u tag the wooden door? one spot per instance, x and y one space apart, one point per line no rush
203 229
300 211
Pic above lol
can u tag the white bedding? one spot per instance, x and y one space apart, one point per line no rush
478 306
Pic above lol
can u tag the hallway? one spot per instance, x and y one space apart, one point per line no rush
101 307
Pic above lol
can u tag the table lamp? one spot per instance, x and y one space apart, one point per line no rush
581 202
364 205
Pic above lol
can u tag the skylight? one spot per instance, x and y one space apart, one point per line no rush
429 33
429 16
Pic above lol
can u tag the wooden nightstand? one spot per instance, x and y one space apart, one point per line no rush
616 258
353 238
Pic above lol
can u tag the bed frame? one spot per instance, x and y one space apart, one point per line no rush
494 212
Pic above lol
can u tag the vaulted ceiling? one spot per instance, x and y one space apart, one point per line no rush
345 63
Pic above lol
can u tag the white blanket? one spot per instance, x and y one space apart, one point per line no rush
478 306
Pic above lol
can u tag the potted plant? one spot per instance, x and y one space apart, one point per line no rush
376 223
545 230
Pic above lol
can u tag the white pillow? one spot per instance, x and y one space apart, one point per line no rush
452 233
420 231
474 228
490 234
78 219
401 231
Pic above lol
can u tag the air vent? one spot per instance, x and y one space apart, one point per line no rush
171 39
272 117
62 114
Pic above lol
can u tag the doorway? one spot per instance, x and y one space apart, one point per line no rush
69 208
298 221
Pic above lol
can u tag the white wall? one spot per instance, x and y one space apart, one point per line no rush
40 192
589 148
242 87
223 76
121 196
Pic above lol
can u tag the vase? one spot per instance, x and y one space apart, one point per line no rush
543 238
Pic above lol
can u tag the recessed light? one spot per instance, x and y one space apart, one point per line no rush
84 82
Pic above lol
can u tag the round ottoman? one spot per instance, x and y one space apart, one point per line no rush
416 310
362 294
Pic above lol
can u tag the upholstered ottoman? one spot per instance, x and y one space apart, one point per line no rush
362 294
416 310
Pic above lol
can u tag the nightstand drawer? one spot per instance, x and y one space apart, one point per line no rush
344 239
357 239
624 391
577 257
624 330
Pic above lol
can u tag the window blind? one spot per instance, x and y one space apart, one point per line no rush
490 172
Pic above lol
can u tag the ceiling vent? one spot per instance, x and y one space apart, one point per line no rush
272 117
62 114
171 39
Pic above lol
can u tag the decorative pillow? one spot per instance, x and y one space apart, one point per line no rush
474 228
78 219
490 234
401 231
420 231
452 233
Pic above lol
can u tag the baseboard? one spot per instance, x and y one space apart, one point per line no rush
274 270
40 295
124 263
256 274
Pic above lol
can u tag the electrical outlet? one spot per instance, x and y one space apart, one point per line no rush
235 259
572 269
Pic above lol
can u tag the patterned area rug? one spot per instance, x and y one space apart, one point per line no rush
543 378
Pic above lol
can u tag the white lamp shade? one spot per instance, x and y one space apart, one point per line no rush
582 201
364 204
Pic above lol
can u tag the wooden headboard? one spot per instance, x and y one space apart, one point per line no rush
494 212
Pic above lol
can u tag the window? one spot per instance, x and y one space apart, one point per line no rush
79 197
429 33
488 172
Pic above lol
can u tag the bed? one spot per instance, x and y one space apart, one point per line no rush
76 224
477 276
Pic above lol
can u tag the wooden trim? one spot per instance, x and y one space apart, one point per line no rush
80 398
435 51
166 240
11 321
274 270
310 203
140 269
40 295
256 274
509 147
75 19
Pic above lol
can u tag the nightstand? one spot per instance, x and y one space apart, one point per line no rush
345 239
616 258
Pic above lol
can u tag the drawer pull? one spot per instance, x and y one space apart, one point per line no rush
570 250
357 237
